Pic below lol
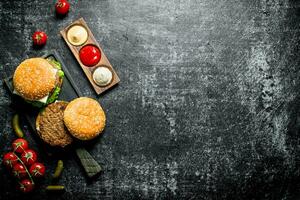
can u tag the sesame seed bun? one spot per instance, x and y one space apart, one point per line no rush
50 125
84 118
34 78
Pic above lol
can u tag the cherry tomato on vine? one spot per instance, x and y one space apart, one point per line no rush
26 186
19 171
62 7
20 145
10 159
37 170
29 157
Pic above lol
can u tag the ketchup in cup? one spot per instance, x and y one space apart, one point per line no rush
89 55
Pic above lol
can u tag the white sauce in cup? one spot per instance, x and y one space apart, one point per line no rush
102 76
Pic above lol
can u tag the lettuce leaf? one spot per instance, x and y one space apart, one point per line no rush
54 95
50 99
61 74
55 63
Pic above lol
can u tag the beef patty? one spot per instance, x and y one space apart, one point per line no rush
50 125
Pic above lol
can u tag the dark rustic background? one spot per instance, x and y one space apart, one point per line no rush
208 106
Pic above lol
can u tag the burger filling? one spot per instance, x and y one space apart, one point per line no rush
53 95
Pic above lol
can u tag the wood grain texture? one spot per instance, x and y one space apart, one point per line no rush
209 102
103 61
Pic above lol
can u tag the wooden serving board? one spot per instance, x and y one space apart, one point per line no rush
89 70
69 91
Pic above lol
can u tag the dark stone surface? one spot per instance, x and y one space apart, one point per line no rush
208 103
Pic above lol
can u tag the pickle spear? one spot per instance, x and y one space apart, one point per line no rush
59 169
55 188
16 126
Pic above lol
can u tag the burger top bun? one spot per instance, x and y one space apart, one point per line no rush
84 118
34 78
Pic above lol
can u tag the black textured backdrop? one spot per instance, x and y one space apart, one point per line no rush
208 104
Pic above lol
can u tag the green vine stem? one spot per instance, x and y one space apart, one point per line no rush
30 177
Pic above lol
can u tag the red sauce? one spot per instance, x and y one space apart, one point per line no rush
90 55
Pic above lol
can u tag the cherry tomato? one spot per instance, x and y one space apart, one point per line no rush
29 157
19 171
62 7
37 170
39 38
89 55
10 159
26 186
19 145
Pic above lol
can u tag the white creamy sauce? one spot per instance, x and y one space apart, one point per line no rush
102 76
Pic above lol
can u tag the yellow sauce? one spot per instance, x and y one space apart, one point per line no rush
77 35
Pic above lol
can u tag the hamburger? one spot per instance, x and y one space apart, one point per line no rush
38 81
50 125
84 118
